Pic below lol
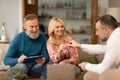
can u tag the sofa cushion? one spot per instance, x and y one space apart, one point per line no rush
100 57
89 59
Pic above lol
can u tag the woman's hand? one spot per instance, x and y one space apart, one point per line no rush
62 47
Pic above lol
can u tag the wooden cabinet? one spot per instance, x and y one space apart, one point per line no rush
75 13
66 9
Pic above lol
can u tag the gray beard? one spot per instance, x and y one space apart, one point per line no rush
31 36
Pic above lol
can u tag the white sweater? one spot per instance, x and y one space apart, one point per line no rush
112 53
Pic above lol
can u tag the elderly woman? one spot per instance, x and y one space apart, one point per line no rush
57 44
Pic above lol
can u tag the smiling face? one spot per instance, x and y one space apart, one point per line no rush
32 28
59 29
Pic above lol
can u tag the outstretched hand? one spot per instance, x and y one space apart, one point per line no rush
82 65
73 43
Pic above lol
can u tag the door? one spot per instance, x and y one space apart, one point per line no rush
94 40
29 6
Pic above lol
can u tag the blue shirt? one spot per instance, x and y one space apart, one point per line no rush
23 44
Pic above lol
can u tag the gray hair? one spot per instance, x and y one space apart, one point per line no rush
108 20
30 17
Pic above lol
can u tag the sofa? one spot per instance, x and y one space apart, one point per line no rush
3 68
82 56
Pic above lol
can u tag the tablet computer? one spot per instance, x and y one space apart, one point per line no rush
32 58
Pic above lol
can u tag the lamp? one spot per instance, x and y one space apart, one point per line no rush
115 12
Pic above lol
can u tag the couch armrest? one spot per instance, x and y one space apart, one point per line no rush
3 50
112 74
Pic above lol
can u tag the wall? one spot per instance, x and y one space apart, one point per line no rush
114 3
103 4
11 14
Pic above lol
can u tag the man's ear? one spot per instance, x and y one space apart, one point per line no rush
24 27
107 29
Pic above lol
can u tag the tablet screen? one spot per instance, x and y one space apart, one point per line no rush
32 58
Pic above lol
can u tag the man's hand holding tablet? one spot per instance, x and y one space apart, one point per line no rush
32 58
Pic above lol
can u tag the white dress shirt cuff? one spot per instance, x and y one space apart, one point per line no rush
88 66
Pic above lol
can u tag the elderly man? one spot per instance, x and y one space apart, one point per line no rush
107 29
29 43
